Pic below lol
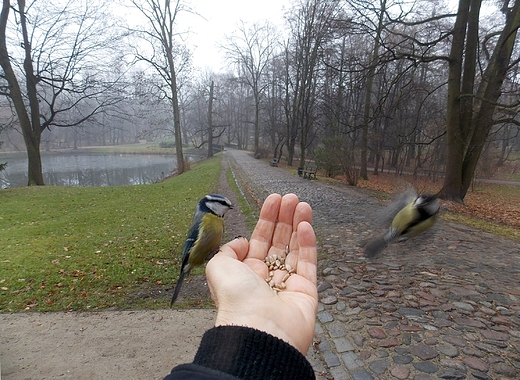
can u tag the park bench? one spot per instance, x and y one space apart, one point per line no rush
310 171
274 162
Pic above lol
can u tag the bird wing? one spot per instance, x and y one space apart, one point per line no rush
398 202
193 233
419 221
185 267
399 223
421 225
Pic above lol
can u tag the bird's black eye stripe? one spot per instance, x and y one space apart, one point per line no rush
223 201
218 199
215 199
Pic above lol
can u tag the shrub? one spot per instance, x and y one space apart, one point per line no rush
337 156
327 160
167 144
262 152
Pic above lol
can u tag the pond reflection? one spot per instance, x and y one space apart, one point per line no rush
88 169
107 176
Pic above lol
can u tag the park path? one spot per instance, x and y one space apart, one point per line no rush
445 305
101 345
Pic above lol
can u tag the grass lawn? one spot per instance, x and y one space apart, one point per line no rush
85 248
147 148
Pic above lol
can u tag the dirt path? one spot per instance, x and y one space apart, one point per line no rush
99 345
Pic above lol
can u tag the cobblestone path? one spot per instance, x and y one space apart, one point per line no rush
447 307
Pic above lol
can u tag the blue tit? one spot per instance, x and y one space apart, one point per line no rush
416 217
204 235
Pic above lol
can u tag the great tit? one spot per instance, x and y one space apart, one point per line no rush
204 235
416 217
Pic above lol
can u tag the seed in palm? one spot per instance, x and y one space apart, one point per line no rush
277 262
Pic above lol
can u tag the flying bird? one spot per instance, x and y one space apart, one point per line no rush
204 235
418 214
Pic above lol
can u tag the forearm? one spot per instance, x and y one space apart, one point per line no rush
245 353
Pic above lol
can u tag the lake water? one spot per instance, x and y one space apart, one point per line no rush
90 169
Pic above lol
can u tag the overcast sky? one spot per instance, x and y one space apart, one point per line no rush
221 17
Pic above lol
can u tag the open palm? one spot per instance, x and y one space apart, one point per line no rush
237 274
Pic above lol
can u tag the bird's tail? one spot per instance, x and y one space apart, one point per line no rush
177 287
375 246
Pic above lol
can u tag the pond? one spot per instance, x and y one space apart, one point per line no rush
90 169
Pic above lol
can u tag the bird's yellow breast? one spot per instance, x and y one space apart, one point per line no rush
208 241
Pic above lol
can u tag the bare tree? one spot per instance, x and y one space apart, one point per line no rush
471 105
374 57
310 24
251 50
162 18
211 126
58 66
275 126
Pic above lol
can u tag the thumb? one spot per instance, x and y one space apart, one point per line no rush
236 248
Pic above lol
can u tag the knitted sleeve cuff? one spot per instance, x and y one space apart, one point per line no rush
248 353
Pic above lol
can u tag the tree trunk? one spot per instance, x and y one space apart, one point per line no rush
452 188
210 121
490 89
363 173
181 167
256 96
303 145
291 142
30 125
290 153
467 134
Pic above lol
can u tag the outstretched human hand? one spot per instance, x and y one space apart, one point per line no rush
237 274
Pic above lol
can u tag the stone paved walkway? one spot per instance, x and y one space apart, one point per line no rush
446 305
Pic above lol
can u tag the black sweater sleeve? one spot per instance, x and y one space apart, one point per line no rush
234 352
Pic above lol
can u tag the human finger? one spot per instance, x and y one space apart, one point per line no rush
284 226
236 248
307 252
303 213
262 235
